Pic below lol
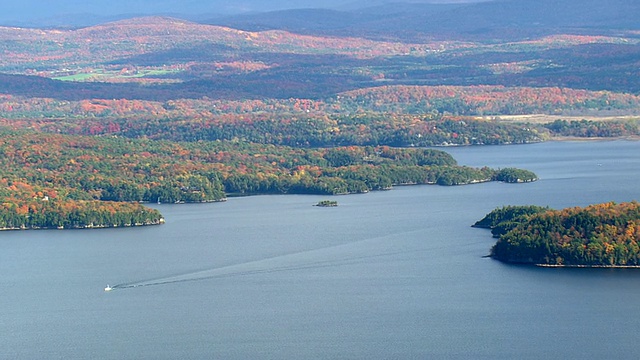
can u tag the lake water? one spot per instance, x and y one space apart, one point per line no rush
387 275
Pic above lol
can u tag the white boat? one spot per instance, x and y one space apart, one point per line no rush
108 288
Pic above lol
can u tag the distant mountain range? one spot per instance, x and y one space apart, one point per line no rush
77 13
314 53
483 20
412 21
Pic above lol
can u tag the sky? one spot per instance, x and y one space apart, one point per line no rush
29 11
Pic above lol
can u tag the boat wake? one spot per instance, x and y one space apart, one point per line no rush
335 256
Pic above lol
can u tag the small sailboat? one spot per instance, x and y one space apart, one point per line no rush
108 288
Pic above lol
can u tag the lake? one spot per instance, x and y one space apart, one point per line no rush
396 274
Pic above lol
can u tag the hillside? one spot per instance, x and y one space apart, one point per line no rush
481 21
189 60
382 19
160 36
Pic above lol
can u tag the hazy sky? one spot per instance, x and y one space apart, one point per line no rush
18 11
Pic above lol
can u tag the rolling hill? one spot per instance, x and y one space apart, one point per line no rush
481 21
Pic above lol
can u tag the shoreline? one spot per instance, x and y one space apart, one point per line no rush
578 138
589 266
85 227
546 118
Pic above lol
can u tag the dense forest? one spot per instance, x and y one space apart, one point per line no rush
78 178
53 213
341 121
584 128
95 121
597 235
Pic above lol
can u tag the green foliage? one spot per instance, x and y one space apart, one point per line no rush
512 175
586 128
327 203
503 219
70 214
174 113
80 171
597 235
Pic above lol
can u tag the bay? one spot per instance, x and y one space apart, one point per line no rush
393 274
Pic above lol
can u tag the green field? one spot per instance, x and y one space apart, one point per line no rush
111 75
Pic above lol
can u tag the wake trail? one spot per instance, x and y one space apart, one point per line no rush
196 277
292 262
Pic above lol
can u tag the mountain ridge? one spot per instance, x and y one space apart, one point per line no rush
517 19
410 22
173 54
73 13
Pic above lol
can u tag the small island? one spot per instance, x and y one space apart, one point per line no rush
601 235
327 203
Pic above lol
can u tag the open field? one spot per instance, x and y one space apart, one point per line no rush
118 75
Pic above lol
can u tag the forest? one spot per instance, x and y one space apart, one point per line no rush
63 181
96 121
601 235
393 117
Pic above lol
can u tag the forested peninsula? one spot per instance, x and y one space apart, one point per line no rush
63 181
602 235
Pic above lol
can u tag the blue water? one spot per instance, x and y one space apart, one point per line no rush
394 274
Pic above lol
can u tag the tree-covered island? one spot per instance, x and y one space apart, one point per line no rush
327 203
602 235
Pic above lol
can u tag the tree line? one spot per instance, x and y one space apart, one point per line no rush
597 235
44 173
